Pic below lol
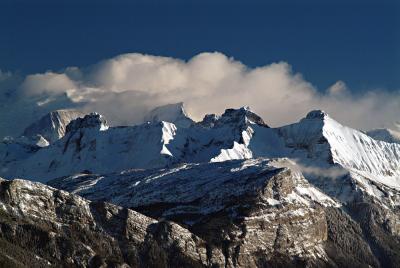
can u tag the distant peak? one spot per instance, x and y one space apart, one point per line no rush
173 113
52 125
92 120
243 114
316 114
243 110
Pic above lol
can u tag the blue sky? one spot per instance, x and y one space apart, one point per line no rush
354 41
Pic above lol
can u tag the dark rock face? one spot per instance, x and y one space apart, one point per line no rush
346 244
41 227
363 234
238 116
250 231
209 120
316 114
380 228
92 120
253 233
267 225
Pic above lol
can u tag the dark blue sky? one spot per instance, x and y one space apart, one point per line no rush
356 42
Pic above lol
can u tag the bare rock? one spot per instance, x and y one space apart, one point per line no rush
41 226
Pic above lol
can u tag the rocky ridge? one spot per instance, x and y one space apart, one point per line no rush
44 227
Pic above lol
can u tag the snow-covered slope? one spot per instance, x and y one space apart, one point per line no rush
361 154
324 139
13 152
216 138
333 156
90 145
212 183
48 129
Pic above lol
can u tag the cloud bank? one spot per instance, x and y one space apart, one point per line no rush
125 87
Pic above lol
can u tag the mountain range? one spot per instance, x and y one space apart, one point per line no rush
228 191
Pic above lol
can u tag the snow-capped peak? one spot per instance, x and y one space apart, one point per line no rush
173 113
241 116
52 126
355 151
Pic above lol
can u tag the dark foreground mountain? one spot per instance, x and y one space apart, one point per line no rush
259 212
44 227
261 216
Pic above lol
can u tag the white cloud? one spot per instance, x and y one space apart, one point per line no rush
337 89
125 87
49 82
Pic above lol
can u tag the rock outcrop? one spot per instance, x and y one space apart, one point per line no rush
255 213
258 212
44 227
